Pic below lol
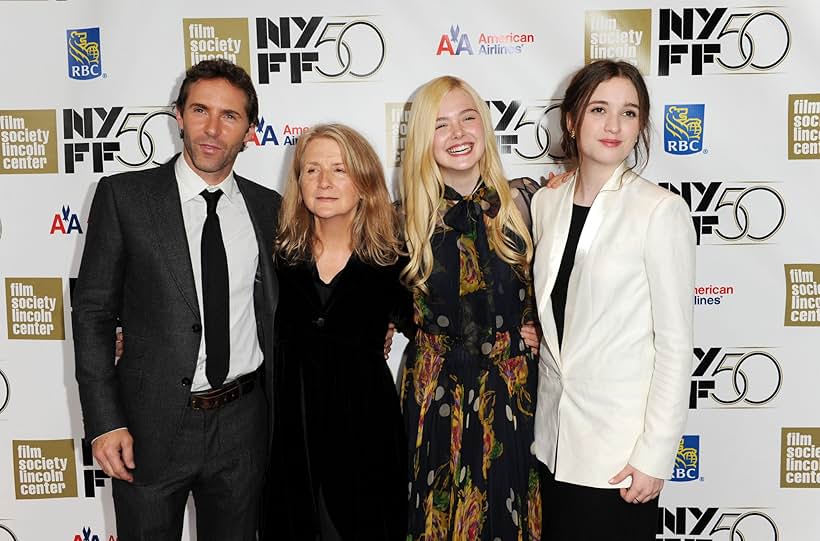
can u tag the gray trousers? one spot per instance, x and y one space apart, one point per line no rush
220 457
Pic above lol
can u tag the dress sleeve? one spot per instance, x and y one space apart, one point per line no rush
402 310
522 189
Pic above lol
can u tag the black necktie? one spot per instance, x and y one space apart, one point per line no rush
215 295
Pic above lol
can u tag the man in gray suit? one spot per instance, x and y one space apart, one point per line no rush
181 255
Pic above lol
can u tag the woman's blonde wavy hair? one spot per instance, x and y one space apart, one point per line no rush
374 232
422 188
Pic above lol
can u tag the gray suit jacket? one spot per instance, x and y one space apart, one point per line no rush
136 267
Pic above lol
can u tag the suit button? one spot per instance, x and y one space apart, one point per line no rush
320 322
196 327
185 382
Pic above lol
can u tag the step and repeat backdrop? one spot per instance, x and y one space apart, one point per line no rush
86 92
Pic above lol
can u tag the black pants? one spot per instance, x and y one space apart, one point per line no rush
580 513
219 456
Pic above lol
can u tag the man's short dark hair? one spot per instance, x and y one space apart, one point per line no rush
221 69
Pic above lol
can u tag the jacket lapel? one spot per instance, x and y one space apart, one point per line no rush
169 232
555 230
264 241
601 207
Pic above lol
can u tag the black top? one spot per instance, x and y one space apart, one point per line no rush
559 289
322 289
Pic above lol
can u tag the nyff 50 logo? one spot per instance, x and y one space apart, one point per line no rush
84 56
751 39
683 128
715 524
734 378
732 212
118 138
343 48
521 129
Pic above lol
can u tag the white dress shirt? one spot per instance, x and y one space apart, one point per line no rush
242 251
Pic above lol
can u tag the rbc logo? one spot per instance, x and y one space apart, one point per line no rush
66 222
687 462
84 60
683 128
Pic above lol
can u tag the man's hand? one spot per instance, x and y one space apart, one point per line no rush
644 487
114 452
388 339
119 344
531 334
553 180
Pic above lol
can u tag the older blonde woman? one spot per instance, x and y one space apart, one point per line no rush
339 466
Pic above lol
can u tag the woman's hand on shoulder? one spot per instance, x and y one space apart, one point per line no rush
553 181
531 334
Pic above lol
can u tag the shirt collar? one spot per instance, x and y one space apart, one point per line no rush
190 184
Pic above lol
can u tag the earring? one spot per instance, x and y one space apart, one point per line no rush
572 134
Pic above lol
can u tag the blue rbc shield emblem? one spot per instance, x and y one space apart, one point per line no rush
687 461
84 58
683 128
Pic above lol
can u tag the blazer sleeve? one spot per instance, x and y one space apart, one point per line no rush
95 308
670 270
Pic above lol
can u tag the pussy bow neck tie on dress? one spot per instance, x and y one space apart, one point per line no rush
463 215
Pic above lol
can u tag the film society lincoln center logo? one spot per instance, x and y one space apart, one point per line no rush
800 457
28 141
802 295
207 39
624 34
34 308
804 127
44 469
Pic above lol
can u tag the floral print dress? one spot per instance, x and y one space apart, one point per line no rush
469 385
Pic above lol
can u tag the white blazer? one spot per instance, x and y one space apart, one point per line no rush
616 392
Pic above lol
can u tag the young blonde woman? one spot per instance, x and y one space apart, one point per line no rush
614 270
469 383
339 465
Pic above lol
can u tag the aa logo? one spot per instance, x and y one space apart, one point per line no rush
683 128
66 222
687 461
89 535
455 43
265 134
84 59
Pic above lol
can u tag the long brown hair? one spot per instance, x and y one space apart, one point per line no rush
577 97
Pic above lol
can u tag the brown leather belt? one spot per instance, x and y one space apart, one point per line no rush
216 398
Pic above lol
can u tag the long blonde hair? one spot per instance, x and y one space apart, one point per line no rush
422 188
374 232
